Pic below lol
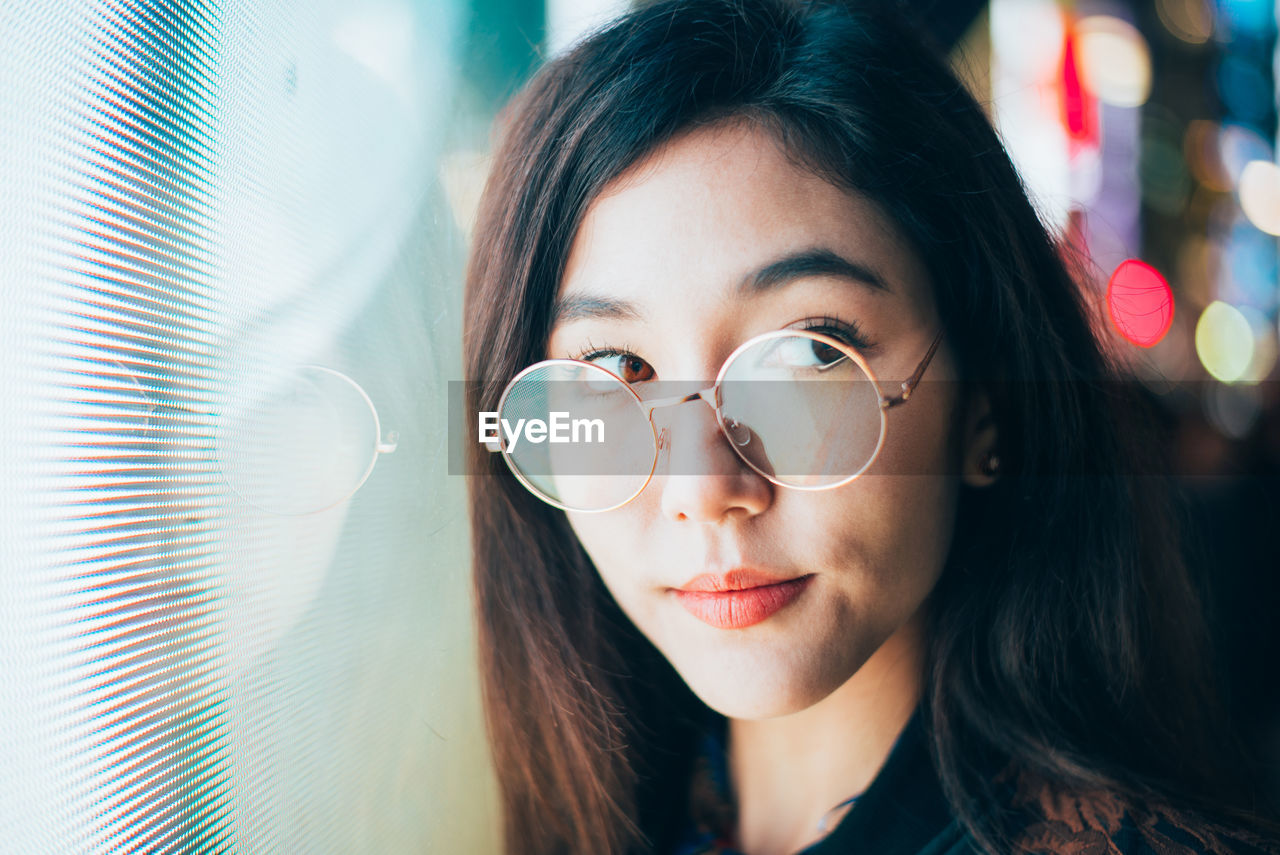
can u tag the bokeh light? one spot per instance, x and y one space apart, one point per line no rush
1140 303
1253 17
1224 342
1028 37
1238 145
1200 147
1189 20
1249 275
1264 346
1232 409
1260 195
1166 180
1244 88
1197 266
1115 61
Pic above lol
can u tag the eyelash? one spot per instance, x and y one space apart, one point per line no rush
846 331
591 352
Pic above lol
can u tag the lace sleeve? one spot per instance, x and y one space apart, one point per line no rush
1099 823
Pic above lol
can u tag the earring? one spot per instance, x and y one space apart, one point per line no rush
990 465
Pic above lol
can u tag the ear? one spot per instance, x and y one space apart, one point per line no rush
980 444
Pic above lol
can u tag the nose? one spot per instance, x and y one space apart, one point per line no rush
704 480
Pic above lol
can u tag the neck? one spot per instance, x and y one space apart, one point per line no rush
788 772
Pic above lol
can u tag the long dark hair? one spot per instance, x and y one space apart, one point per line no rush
1065 632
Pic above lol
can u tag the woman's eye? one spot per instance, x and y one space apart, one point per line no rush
807 352
628 366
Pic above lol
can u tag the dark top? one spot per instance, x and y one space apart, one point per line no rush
904 812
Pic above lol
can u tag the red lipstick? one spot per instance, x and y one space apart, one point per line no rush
740 598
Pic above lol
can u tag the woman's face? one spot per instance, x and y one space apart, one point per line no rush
666 247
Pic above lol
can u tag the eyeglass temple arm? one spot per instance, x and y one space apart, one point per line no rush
909 385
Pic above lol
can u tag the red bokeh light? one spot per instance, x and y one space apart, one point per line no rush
1079 105
1140 302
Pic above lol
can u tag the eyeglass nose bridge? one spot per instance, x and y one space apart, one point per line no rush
708 394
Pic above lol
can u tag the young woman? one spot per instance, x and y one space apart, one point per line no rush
914 597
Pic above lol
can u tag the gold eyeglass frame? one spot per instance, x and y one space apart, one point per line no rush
711 395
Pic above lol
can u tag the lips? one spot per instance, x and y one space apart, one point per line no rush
740 598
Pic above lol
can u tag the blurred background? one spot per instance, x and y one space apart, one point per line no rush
234 596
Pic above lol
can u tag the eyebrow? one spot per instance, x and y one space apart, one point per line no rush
576 307
775 274
809 262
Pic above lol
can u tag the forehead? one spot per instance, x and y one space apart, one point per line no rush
681 228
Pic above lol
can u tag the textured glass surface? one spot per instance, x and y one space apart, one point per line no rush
233 576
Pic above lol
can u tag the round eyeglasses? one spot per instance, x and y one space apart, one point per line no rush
799 407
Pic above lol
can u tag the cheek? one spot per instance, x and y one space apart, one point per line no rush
608 541
888 537
901 513
921 438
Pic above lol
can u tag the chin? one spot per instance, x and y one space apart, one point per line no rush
742 703
753 692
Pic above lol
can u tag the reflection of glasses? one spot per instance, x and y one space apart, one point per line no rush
305 446
799 407
300 444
